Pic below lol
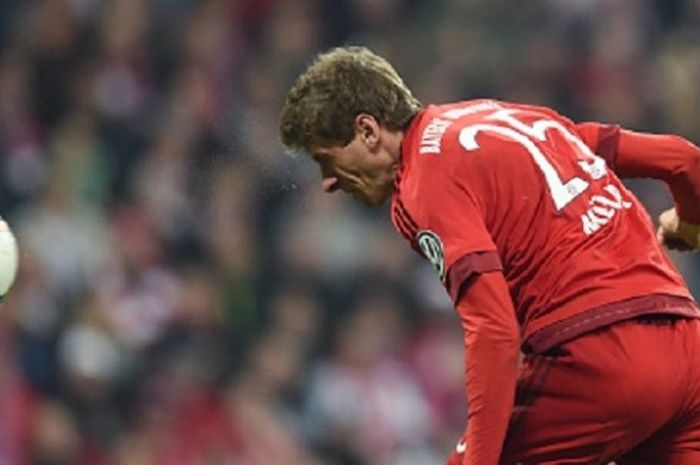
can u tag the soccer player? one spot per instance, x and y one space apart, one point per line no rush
541 248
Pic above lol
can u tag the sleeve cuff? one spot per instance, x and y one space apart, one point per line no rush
608 139
463 272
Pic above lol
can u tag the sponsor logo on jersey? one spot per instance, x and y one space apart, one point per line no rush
431 246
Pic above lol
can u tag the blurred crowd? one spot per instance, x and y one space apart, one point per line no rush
187 295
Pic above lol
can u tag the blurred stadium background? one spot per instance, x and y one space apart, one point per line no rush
187 295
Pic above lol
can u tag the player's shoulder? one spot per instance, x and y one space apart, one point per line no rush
439 127
431 146
441 136
437 124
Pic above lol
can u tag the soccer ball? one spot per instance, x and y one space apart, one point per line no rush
9 258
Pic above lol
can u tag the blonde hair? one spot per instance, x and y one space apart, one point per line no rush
340 84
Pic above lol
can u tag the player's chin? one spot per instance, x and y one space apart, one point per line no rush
371 199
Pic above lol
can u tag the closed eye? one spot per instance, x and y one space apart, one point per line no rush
319 157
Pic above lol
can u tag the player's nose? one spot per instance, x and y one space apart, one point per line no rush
330 183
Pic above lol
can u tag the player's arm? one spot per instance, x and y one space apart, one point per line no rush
491 355
677 162
670 158
450 206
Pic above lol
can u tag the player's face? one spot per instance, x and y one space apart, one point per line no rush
364 168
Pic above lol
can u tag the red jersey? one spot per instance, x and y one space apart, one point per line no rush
486 185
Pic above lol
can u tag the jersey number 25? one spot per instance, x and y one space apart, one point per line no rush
562 192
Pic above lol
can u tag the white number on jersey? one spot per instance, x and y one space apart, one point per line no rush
562 192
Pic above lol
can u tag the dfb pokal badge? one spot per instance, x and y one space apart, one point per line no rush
431 246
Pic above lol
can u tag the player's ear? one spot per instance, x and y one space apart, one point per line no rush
367 128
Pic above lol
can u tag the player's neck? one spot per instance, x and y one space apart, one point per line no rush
392 144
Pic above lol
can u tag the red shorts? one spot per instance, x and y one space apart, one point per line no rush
628 393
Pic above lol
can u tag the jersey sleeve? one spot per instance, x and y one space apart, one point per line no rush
492 341
452 233
670 158
602 139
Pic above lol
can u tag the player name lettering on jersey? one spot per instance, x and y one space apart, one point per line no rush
432 135
603 209
431 138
